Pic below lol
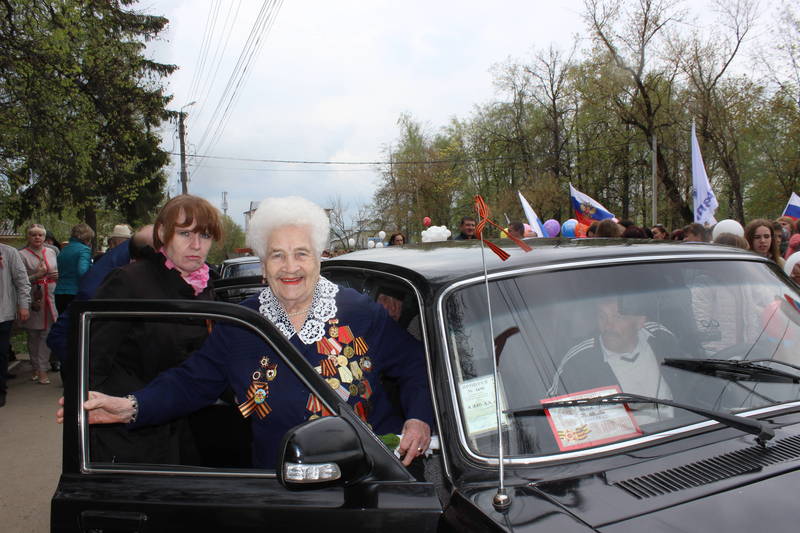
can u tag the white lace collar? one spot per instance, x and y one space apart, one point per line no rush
323 308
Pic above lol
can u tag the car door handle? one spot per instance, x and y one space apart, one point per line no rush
112 522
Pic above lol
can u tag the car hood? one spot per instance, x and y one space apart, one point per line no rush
732 485
770 503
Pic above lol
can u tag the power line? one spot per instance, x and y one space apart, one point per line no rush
395 162
266 26
281 170
211 21
232 76
271 17
222 111
219 54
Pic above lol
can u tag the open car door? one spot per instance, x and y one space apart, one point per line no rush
219 490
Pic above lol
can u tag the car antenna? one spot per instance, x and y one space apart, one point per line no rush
501 500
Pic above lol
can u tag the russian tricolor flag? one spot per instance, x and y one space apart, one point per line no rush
587 209
793 207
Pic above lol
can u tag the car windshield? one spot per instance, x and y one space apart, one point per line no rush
569 334
240 270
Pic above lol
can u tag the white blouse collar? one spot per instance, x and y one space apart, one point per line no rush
323 308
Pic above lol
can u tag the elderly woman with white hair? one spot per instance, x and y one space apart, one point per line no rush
349 339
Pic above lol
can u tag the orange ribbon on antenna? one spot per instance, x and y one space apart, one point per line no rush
483 215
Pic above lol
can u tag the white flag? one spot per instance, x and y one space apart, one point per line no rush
705 203
530 214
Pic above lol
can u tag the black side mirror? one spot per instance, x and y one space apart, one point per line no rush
320 453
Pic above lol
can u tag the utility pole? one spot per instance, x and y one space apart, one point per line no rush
224 202
182 136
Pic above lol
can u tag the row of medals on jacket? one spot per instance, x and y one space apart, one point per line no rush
344 374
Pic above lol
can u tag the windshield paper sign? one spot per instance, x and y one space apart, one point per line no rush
575 428
477 397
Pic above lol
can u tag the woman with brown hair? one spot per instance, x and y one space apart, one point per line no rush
397 239
761 237
608 229
130 354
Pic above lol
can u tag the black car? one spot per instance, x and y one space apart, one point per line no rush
641 387
239 267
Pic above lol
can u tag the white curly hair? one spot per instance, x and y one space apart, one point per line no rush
274 213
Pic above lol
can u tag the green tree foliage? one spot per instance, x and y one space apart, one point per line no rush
79 108
233 238
592 120
415 184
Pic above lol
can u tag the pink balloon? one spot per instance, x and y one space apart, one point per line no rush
426 221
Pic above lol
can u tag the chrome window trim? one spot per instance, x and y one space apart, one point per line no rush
528 460
426 346
83 426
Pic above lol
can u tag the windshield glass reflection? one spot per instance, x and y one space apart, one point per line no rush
595 331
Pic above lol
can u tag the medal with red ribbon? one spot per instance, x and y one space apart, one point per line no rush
258 391
343 364
315 407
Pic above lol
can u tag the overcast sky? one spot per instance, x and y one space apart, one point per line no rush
330 81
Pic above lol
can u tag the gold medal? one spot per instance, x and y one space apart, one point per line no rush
313 417
341 360
334 383
356 370
353 390
349 351
345 375
333 332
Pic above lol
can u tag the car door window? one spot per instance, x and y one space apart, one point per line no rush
124 353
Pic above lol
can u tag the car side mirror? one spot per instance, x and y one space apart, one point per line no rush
321 453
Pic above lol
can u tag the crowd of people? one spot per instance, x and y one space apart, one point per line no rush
777 240
37 283
148 377
141 370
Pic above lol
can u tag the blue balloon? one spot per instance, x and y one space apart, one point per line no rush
568 228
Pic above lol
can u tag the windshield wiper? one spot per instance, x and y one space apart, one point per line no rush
737 369
761 430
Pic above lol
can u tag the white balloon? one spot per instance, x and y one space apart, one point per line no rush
378 245
351 242
370 244
727 226
435 234
382 234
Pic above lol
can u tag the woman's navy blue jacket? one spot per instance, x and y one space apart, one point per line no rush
232 355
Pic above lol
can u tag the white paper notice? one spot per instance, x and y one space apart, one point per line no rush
592 425
478 401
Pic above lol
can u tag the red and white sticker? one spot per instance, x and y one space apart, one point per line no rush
579 427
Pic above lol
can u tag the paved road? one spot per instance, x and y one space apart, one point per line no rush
30 452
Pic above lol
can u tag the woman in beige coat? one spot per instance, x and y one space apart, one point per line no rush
40 262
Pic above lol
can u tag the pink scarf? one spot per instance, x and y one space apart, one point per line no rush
198 279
